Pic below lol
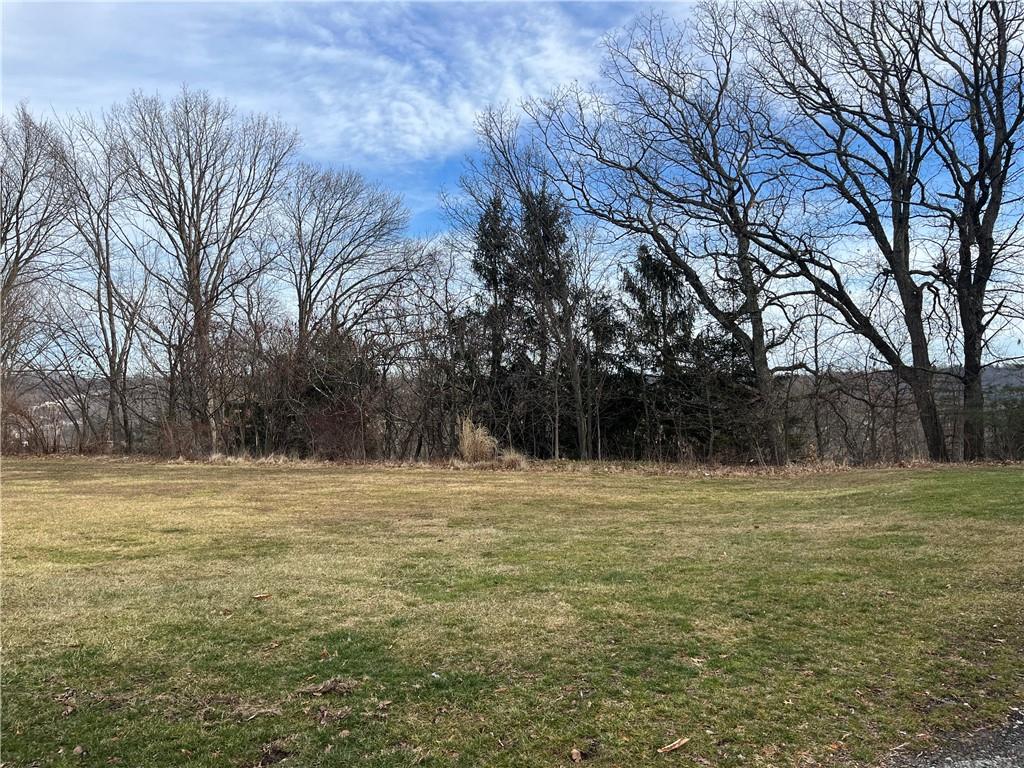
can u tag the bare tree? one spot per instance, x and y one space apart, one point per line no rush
829 186
341 247
103 292
202 175
852 99
166 335
32 223
971 65
670 151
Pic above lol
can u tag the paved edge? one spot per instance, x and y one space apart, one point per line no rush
999 747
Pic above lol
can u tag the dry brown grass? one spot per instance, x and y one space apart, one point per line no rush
476 444
511 459
770 618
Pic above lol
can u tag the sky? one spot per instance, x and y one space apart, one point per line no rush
389 89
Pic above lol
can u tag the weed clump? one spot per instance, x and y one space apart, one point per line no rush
476 444
513 459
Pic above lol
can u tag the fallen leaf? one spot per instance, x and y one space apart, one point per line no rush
261 596
674 745
269 712
576 755
325 715
67 698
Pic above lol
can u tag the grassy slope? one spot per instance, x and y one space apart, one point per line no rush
501 619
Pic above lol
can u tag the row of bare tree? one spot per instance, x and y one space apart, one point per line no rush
863 153
680 259
144 241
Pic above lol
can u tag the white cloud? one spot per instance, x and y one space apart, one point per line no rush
390 89
406 87
370 85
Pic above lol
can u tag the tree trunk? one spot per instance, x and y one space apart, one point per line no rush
204 425
922 388
582 416
974 409
113 418
556 438
759 357
921 376
972 320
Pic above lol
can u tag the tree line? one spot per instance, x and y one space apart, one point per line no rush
769 232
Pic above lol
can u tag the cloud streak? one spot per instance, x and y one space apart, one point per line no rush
380 84
391 89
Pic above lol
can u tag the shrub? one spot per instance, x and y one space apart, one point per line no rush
513 459
475 443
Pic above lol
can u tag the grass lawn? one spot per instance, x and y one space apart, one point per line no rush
438 617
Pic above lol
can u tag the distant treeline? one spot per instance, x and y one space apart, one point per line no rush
774 232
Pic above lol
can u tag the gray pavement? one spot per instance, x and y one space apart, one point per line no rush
1001 747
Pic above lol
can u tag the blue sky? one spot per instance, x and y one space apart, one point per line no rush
390 89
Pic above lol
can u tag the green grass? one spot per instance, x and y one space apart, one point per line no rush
502 619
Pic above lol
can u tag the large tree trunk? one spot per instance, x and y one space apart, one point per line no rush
921 376
974 398
921 383
972 320
769 412
759 358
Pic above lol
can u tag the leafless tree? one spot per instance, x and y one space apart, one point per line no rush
341 247
851 101
971 65
201 175
670 150
32 223
770 226
102 290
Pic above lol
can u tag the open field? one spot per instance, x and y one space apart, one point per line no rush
437 617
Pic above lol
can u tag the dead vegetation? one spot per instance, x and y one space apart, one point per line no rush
503 618
476 444
513 460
